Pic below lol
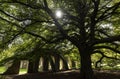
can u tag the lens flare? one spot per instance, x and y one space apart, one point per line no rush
58 14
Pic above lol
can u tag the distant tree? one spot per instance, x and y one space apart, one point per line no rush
14 68
50 57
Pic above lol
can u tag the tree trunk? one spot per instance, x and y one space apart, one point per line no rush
52 64
86 71
45 63
73 64
30 66
33 65
14 68
57 62
36 64
65 64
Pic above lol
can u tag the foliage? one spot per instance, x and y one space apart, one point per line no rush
90 25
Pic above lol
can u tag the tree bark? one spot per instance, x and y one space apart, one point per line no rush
86 71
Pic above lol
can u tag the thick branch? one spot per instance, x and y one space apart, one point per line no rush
93 19
107 47
101 31
103 56
108 39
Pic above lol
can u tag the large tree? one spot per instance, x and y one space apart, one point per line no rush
92 22
87 24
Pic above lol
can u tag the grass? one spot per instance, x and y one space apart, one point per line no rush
22 71
2 69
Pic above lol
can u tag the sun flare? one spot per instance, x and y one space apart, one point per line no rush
58 14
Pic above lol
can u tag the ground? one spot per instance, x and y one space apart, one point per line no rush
70 74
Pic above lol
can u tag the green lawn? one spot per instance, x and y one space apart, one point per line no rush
22 71
2 69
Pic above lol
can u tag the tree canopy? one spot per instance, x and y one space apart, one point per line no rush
90 25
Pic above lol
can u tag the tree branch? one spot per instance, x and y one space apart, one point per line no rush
58 25
54 19
103 56
107 39
93 19
106 14
24 19
107 47
101 31
22 3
